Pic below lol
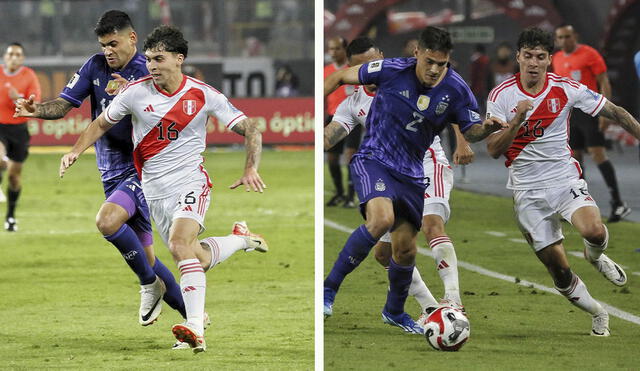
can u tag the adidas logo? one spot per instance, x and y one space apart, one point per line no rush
443 264
188 208
149 109
362 113
404 93
189 288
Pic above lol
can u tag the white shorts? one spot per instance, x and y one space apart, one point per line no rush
438 176
538 211
190 202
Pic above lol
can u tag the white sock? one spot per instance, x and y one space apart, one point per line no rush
223 247
193 284
578 295
596 250
447 266
419 290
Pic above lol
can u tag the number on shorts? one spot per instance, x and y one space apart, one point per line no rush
576 195
190 199
412 125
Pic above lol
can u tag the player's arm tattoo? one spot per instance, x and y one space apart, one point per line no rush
53 109
333 133
622 117
252 141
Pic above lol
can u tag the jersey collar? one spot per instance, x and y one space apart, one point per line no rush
184 81
544 88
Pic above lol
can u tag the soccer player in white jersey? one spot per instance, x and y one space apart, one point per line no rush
547 182
439 181
169 112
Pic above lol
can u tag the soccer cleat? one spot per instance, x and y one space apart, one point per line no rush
609 269
349 204
335 200
11 225
151 301
618 212
329 297
600 324
425 314
254 241
453 304
186 334
404 321
182 345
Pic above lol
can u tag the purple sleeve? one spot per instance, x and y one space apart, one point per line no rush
79 87
466 114
371 72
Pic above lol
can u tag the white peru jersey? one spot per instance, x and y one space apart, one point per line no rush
169 130
354 110
540 156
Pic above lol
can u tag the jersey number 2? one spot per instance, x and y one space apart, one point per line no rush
170 133
412 125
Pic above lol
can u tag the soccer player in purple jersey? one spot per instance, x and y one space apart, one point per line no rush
123 218
416 98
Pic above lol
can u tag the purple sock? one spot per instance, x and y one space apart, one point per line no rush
127 242
354 251
399 281
173 296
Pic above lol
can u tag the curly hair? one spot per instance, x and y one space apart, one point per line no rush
533 36
167 38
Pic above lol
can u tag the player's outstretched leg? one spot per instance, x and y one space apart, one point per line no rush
393 313
594 253
447 267
240 238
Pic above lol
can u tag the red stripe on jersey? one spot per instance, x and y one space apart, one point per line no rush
579 169
135 82
496 91
150 145
237 117
209 183
435 170
202 83
569 82
598 105
542 114
544 88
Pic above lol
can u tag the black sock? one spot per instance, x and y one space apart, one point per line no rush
609 175
336 175
12 200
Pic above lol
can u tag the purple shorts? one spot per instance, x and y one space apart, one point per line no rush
372 179
127 193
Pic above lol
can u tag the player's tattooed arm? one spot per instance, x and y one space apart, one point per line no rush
51 110
347 76
622 117
333 133
500 142
253 146
478 132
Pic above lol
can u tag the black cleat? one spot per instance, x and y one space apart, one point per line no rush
618 212
335 200
11 225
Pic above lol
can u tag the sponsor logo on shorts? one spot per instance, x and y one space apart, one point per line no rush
380 186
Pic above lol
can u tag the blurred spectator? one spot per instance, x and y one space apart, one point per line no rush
50 44
480 76
253 47
503 66
409 47
286 82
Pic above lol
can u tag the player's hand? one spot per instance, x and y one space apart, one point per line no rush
493 124
114 86
25 107
66 161
251 180
603 124
463 155
524 106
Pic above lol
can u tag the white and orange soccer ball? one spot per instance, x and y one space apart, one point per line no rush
446 329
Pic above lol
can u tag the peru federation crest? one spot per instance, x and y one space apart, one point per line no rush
553 105
189 107
423 102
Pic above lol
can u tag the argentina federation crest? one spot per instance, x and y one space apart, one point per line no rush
189 107
423 102
441 107
380 186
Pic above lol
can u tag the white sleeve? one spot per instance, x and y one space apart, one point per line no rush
344 114
494 109
219 106
119 107
587 100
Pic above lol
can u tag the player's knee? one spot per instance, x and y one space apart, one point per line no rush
432 231
14 181
107 223
379 224
382 256
562 276
179 247
404 256
595 233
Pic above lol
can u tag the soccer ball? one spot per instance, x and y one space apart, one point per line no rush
446 329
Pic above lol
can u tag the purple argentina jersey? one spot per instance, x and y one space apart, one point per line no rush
405 116
114 150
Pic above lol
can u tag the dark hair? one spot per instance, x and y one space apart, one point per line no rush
15 43
435 38
533 36
167 38
359 45
112 21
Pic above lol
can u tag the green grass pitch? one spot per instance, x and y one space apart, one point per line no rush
512 327
69 301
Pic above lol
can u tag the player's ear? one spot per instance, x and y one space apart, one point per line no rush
133 36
